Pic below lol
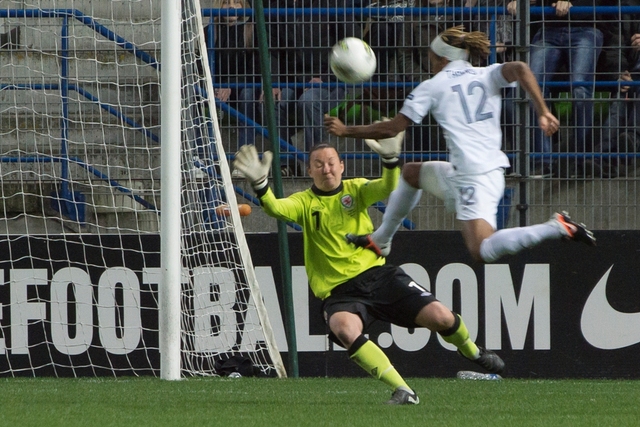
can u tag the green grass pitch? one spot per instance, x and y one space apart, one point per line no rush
315 402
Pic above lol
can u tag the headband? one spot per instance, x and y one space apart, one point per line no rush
440 48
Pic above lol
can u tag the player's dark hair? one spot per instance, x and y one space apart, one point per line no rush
321 146
476 42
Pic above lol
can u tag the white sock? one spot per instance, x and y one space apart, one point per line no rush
512 240
401 201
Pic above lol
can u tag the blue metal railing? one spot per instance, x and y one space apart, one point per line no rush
86 20
68 202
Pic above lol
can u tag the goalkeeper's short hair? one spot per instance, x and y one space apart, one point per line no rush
321 146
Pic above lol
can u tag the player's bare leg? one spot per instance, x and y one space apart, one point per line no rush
437 317
366 354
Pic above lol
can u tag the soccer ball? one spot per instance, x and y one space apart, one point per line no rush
352 60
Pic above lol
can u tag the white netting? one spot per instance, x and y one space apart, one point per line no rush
80 171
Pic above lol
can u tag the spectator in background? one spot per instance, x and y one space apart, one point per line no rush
237 63
401 42
504 52
402 45
284 42
621 59
304 43
575 40
504 27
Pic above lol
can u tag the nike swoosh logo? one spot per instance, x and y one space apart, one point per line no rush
605 327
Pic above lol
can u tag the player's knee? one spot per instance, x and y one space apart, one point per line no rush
444 319
346 328
436 317
476 255
411 173
473 242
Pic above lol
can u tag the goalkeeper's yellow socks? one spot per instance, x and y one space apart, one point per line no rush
458 335
373 360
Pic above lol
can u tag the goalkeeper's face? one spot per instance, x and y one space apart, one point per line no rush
326 168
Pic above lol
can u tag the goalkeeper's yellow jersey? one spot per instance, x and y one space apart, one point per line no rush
325 218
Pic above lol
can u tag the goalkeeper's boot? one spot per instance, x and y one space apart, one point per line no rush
571 229
488 360
402 396
366 241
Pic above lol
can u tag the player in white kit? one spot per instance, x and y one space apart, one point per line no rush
466 102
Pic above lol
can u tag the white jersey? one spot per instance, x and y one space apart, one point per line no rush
466 101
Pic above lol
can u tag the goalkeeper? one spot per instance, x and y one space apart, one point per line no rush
357 287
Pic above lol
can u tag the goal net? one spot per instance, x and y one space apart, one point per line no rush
80 169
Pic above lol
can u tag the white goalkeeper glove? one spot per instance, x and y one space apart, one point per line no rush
388 148
255 170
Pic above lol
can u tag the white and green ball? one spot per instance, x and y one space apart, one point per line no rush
352 60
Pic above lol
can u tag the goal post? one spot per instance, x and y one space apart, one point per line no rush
94 228
171 111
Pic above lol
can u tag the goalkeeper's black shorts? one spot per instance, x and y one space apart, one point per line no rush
381 293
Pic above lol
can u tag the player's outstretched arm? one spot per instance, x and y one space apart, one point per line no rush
334 125
255 170
388 148
378 130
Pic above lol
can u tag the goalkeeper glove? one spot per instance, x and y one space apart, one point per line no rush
255 170
389 148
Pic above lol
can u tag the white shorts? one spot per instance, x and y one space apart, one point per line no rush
470 196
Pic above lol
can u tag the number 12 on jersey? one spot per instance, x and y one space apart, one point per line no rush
479 113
